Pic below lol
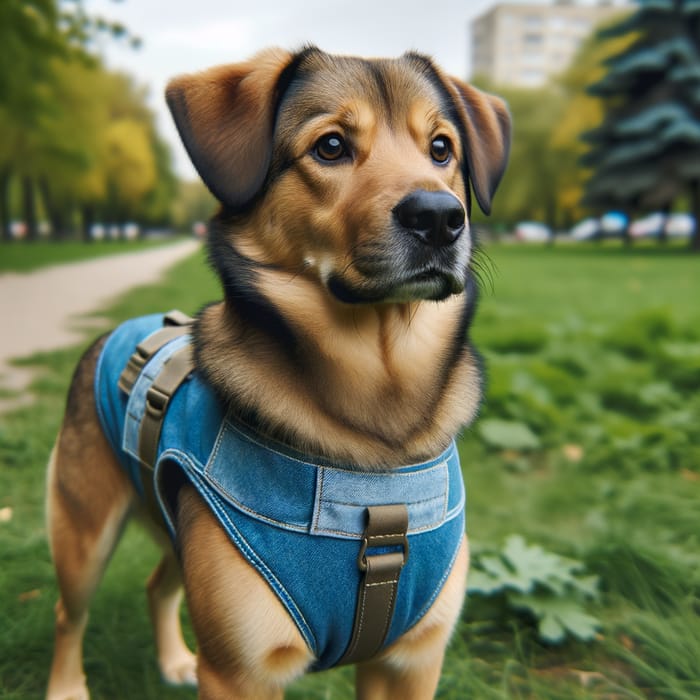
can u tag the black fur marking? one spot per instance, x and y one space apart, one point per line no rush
238 276
427 68
378 76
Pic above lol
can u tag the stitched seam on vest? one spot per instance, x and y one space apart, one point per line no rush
439 586
96 392
317 499
252 437
442 466
225 495
421 467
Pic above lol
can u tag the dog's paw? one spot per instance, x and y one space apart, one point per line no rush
76 693
181 670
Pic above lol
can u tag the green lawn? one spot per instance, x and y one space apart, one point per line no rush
588 446
25 256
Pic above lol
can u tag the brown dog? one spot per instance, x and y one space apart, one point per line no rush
344 250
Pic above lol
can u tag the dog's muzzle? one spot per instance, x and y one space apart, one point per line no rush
423 256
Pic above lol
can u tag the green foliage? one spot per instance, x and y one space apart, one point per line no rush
550 588
42 253
646 151
528 189
544 180
79 138
507 435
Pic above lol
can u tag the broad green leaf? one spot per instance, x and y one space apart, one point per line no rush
508 435
545 567
480 583
506 576
551 630
558 612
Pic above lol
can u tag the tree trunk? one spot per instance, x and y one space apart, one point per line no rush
5 177
663 235
88 216
29 206
58 231
695 208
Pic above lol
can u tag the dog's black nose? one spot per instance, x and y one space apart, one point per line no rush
437 218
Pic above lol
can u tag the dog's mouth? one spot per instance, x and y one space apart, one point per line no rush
431 285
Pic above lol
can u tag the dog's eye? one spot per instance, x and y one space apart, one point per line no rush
330 147
440 149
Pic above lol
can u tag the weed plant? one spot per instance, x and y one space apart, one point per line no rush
586 448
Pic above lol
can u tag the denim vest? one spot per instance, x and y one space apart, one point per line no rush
297 519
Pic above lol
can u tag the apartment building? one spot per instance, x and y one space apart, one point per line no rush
524 44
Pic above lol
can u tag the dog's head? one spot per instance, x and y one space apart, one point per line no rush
353 173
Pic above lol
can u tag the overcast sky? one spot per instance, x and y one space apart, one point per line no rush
180 37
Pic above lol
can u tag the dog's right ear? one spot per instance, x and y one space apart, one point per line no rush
225 117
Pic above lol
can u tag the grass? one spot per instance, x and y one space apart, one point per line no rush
596 353
27 256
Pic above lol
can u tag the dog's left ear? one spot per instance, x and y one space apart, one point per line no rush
486 122
225 117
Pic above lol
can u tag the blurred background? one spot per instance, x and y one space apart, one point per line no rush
604 97
583 467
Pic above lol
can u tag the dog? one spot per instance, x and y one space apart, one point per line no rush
338 364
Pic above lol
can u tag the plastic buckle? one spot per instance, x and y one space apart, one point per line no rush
398 539
156 402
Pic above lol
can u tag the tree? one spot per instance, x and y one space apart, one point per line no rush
529 186
582 112
645 154
74 134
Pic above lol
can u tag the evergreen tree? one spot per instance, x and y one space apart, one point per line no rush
646 154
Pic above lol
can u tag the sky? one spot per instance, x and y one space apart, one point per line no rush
182 37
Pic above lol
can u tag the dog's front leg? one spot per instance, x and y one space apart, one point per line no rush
248 646
177 663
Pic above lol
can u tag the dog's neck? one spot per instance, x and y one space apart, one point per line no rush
387 384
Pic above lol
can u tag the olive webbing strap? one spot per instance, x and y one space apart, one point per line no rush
175 323
175 371
386 530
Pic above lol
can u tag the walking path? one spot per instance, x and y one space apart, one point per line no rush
42 310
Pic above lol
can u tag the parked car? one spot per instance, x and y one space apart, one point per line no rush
131 231
614 223
611 224
677 225
680 225
97 232
586 230
649 226
532 232
18 229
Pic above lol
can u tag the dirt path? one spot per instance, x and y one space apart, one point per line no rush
42 310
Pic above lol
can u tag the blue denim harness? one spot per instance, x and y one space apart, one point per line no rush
297 519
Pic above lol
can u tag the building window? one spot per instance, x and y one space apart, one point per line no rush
533 21
531 77
531 39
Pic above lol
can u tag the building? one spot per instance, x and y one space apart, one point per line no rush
524 44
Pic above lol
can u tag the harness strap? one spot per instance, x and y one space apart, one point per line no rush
174 372
175 323
386 530
158 396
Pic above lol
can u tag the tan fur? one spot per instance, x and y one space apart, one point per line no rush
325 334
